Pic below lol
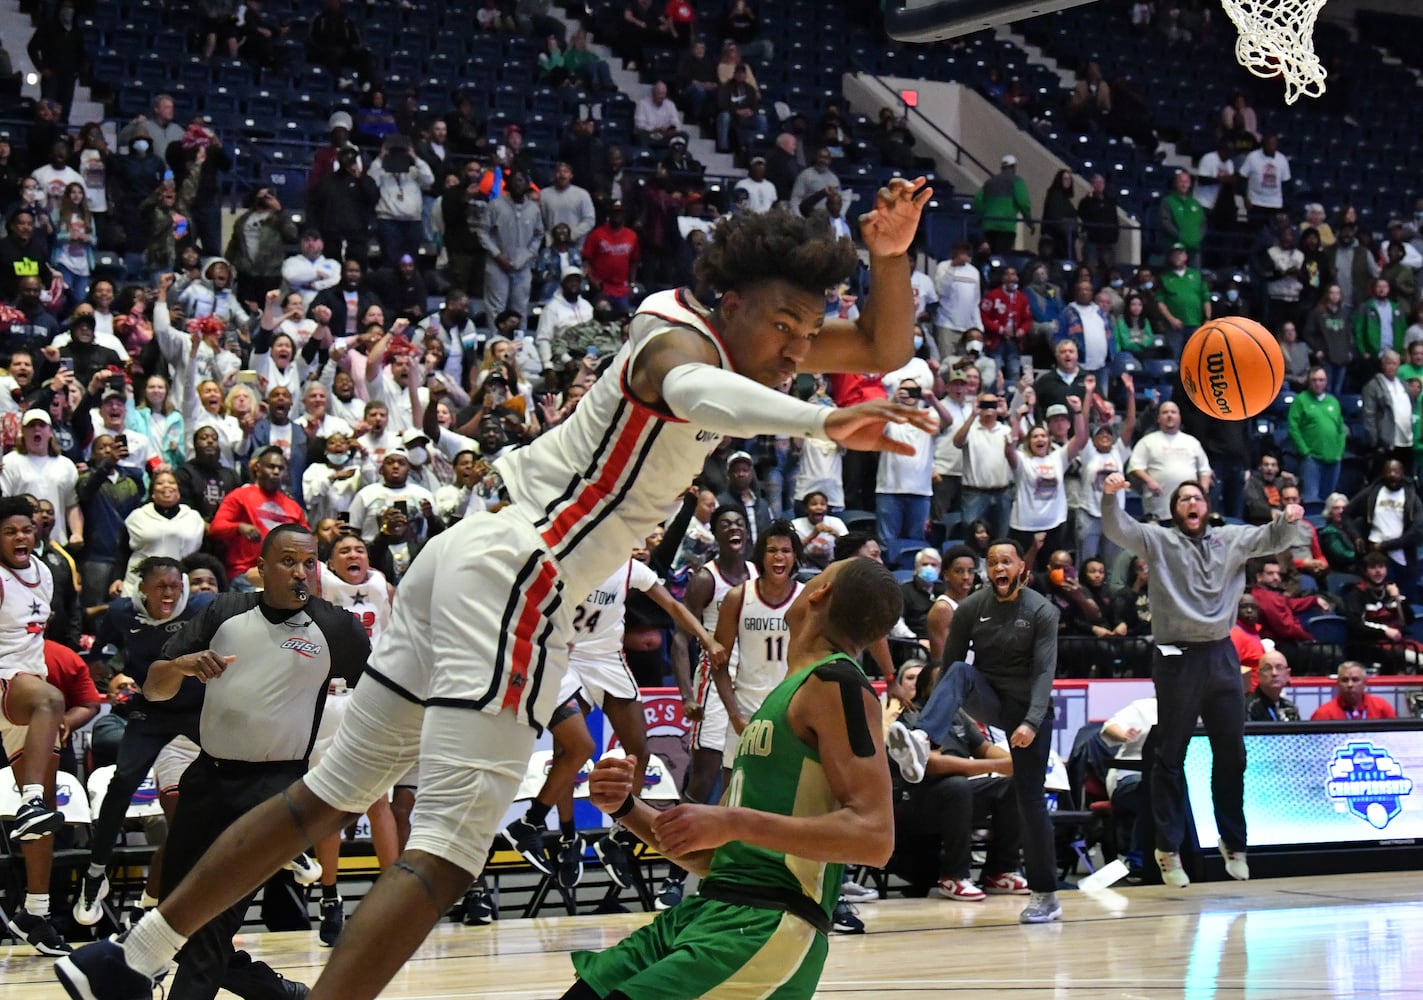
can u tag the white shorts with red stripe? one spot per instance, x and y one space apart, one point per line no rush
710 732
598 678
470 664
13 735
172 761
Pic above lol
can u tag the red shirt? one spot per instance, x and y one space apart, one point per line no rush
847 390
249 505
70 674
1373 707
998 309
609 255
1278 612
1249 648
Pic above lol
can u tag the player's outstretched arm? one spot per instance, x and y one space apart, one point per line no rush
882 339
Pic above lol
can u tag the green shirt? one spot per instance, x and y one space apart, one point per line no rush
1406 372
1189 218
1185 295
1317 427
776 772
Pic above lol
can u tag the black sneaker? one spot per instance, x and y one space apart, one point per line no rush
100 971
42 935
670 894
570 861
333 918
478 909
845 921
34 820
88 910
528 840
616 860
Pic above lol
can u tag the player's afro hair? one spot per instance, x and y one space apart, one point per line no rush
776 245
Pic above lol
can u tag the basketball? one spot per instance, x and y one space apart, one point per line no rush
1232 368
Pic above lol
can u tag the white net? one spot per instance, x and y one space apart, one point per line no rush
1277 40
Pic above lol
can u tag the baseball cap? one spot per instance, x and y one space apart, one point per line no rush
958 375
4 135
112 394
81 317
396 453
739 456
1178 246
678 139
1057 410
1103 429
36 415
567 271
757 159
412 434
1008 161
338 120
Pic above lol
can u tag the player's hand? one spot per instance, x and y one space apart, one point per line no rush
717 654
684 829
691 711
1114 483
205 665
610 782
862 427
738 724
1023 736
895 691
1293 512
888 229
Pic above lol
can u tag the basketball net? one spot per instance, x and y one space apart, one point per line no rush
1277 39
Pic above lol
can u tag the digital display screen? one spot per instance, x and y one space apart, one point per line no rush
1320 783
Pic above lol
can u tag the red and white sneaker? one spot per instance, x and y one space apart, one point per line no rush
1006 884
962 889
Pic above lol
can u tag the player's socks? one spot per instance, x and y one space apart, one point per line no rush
567 828
537 814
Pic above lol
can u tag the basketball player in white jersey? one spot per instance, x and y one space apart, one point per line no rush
753 617
960 572
705 593
32 719
469 671
348 581
598 675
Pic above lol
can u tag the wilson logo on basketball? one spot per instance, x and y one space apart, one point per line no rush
1219 384
302 647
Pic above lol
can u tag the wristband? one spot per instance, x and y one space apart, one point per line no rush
625 808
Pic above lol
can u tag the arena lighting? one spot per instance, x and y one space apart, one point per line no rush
933 20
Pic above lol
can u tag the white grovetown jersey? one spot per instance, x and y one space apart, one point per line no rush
761 639
712 611
369 601
598 621
25 596
601 481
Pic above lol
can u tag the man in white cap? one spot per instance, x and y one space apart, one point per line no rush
760 192
999 203
36 467
566 309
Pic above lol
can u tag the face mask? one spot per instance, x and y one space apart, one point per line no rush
1117 282
417 456
1147 285
338 460
140 146
918 341
1232 294
1010 287
927 574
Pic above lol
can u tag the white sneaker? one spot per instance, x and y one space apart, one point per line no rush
856 893
305 869
909 749
1171 871
1235 865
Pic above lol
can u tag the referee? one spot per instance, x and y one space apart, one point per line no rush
1013 634
266 659
1197 576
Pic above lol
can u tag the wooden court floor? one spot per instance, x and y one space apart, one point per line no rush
1281 939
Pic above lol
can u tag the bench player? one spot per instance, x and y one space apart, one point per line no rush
598 675
469 671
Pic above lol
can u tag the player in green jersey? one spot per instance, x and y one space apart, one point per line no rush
809 793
